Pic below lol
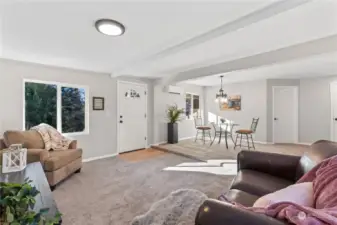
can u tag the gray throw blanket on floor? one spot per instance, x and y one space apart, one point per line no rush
179 208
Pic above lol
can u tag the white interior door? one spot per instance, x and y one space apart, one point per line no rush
333 90
132 120
285 114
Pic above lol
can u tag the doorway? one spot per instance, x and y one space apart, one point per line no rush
285 114
131 116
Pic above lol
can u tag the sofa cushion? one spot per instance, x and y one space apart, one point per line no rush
300 194
244 131
37 155
60 158
258 183
28 139
240 197
56 176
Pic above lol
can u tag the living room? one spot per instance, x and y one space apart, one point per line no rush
249 80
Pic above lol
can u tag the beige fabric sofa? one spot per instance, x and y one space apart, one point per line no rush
57 164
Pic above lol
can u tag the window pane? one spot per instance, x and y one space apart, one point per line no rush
196 106
40 104
188 105
73 109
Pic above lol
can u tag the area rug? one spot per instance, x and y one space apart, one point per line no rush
113 191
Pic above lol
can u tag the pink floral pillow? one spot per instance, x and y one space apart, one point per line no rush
301 194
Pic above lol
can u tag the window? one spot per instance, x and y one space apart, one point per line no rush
61 106
73 109
41 101
188 108
192 106
195 105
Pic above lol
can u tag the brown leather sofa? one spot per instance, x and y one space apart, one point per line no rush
260 173
57 164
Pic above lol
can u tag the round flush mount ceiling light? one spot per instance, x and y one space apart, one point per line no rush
110 27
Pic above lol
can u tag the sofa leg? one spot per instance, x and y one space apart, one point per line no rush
52 187
78 171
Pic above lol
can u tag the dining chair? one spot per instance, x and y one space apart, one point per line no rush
247 134
217 132
201 129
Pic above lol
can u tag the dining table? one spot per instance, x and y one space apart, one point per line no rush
227 129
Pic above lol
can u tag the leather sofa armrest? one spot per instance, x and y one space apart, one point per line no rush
37 155
73 144
214 212
284 166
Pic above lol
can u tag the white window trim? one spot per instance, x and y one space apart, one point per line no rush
192 103
59 109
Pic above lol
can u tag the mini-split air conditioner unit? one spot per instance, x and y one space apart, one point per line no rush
175 90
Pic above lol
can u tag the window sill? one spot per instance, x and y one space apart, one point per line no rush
75 134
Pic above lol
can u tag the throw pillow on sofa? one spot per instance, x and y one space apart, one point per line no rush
301 194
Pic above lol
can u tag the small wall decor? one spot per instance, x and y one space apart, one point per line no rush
97 103
14 159
233 103
132 94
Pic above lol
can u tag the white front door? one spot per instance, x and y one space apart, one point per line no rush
285 114
131 116
333 90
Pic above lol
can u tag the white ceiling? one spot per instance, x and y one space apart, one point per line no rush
63 34
164 38
316 66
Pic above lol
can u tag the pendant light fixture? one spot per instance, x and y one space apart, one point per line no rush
221 97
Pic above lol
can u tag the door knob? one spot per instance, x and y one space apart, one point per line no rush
120 121
335 119
275 118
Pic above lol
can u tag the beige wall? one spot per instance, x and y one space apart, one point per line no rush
162 99
101 139
314 119
257 100
315 109
253 104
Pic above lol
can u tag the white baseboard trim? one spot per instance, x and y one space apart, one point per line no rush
160 143
303 143
185 138
263 142
99 157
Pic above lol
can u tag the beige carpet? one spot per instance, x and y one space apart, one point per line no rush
113 191
203 152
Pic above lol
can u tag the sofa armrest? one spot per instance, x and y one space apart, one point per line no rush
73 144
37 155
2 144
284 166
214 212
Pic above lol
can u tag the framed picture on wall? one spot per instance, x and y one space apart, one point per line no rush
97 103
233 103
